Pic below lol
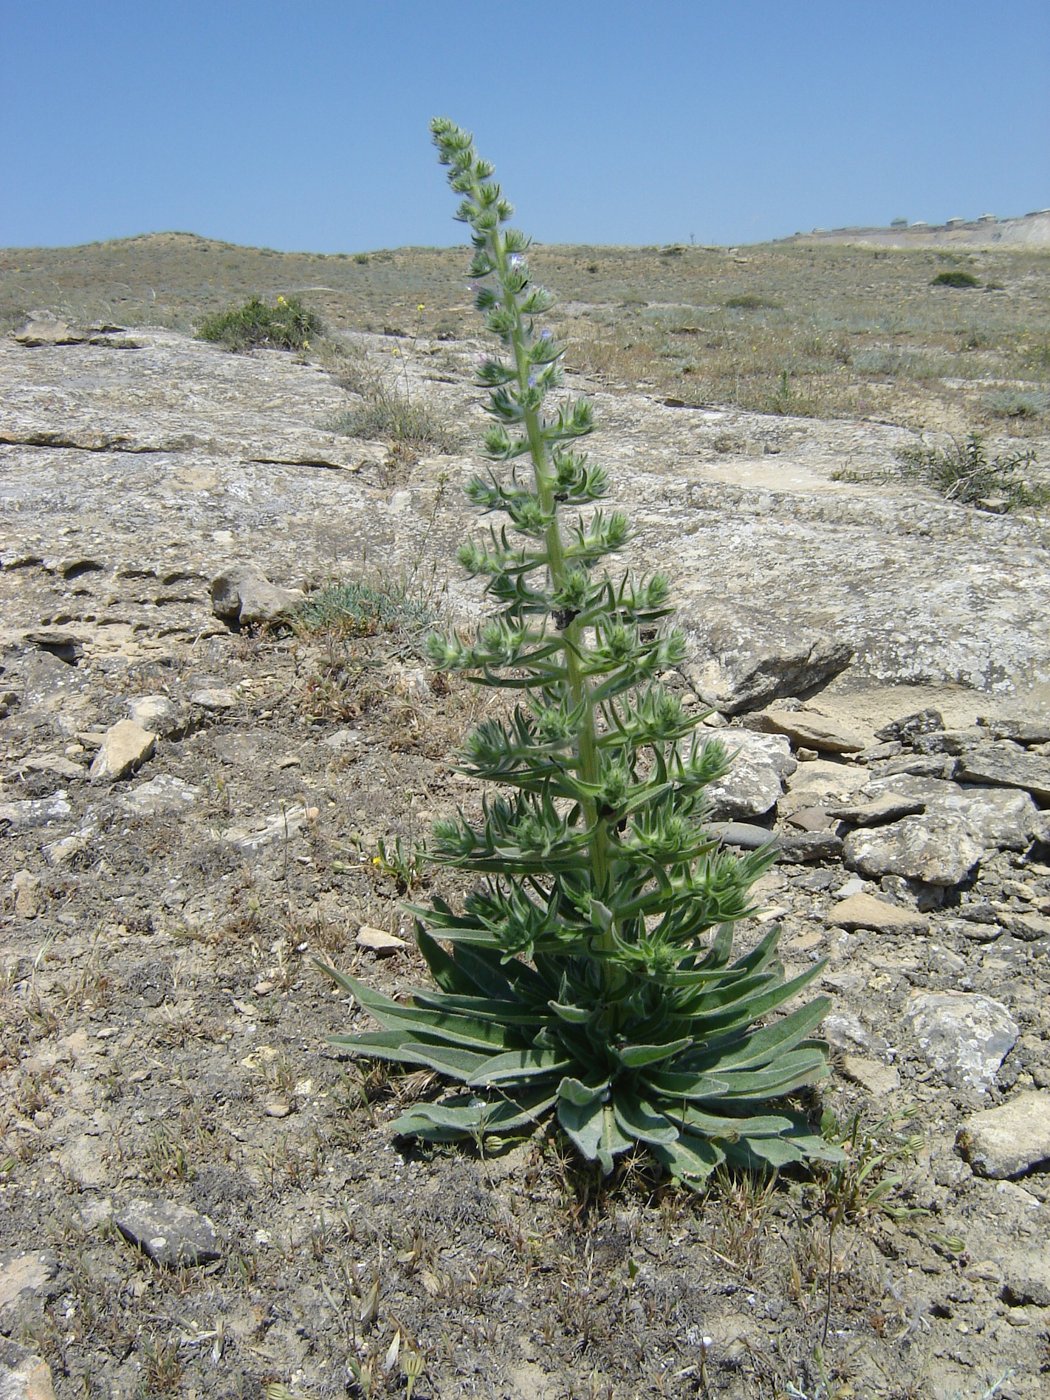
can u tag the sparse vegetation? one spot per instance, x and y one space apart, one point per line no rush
363 608
955 277
963 471
256 325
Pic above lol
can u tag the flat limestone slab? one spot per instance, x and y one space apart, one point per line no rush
1009 1141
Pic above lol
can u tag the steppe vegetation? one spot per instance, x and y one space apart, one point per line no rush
831 331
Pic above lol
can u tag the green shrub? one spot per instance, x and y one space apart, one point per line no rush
964 472
389 413
362 609
286 325
590 975
751 301
957 277
1018 403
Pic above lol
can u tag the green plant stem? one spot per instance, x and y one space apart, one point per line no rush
579 689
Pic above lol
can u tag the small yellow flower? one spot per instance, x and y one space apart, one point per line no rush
395 352
420 307
281 301
306 345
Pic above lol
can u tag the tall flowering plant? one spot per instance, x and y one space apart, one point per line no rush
590 975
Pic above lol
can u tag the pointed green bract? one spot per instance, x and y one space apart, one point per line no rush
589 976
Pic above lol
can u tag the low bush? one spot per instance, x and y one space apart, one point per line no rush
964 472
362 609
286 325
751 301
957 277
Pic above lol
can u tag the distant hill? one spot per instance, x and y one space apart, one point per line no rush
1029 231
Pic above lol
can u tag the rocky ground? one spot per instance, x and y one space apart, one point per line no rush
200 1198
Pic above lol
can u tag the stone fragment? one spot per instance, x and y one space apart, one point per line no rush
279 826
1000 818
809 728
908 726
754 783
1021 731
125 747
810 819
245 597
55 763
807 847
878 1079
379 941
214 698
31 1272
877 811
162 796
747 667
65 645
23 1376
33 812
745 836
939 851
155 712
169 1233
865 911
1009 1141
25 889
1004 764
1028 927
1026 1278
964 1037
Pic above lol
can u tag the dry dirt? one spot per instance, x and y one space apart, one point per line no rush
162 1025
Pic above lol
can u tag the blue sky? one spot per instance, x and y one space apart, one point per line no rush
304 125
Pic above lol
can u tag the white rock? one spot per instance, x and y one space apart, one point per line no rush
963 1036
125 747
379 941
1008 1141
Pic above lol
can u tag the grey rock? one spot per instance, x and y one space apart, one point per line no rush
33 812
32 1272
23 1376
1008 1141
937 851
125 747
877 811
754 783
171 1234
1001 818
865 911
246 597
965 1037
157 713
908 726
214 699
1021 731
745 669
845 1031
47 329
1026 1278
278 827
164 795
810 729
806 847
743 835
1004 764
